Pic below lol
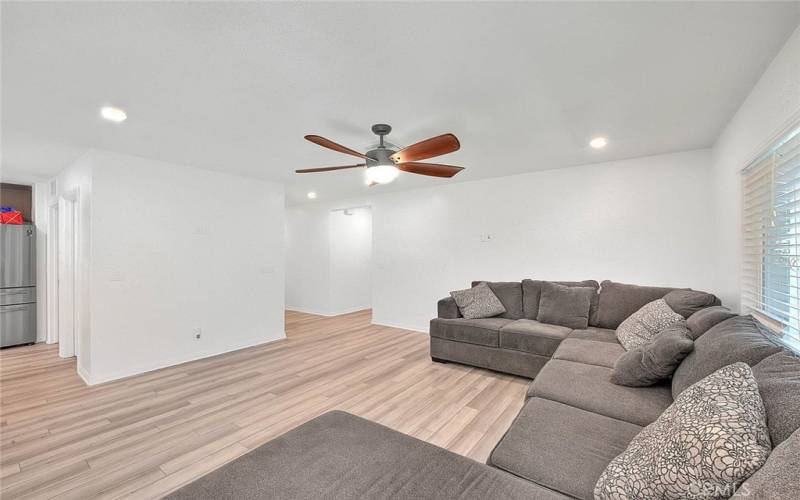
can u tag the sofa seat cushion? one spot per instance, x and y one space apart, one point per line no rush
596 334
532 336
484 331
341 456
589 387
740 338
590 352
561 447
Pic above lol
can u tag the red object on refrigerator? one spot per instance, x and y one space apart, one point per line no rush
11 217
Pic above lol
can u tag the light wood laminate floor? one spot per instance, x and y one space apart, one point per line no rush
147 435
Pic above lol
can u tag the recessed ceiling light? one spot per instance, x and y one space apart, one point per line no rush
598 142
311 195
113 114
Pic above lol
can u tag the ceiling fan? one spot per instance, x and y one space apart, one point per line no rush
385 162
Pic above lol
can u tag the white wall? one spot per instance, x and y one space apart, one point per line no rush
645 221
772 107
351 260
173 249
329 259
308 260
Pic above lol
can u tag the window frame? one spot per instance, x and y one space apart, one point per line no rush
757 284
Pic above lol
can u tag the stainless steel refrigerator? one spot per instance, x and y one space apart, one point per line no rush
17 284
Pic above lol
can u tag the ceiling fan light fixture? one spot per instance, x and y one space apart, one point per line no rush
382 174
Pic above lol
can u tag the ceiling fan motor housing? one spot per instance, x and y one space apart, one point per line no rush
380 156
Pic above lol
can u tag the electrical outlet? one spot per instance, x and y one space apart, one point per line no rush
197 332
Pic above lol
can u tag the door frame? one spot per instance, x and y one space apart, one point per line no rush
52 272
68 274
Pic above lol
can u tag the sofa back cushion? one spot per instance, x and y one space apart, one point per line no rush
565 305
510 295
532 293
778 378
778 477
688 302
617 301
737 339
704 319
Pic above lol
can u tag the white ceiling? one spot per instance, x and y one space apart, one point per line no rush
235 86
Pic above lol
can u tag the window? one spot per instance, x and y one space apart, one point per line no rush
771 234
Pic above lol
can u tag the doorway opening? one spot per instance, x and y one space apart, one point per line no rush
351 259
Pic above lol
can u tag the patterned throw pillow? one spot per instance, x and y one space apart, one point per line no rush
643 325
713 437
478 302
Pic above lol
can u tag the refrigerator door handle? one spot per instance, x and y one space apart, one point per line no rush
8 309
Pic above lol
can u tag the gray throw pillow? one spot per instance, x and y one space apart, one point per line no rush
564 305
712 437
654 361
644 324
705 319
778 378
688 302
478 302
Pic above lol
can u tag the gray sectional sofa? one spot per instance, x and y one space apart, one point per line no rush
574 422
515 342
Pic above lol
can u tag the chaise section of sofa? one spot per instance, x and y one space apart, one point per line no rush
342 456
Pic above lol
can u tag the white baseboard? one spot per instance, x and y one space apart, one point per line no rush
84 376
402 327
94 379
308 311
326 314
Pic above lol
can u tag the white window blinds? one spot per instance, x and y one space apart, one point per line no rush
771 234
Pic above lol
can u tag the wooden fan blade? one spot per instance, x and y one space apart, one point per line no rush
327 169
432 169
327 143
435 146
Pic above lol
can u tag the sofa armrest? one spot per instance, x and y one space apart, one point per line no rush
448 309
